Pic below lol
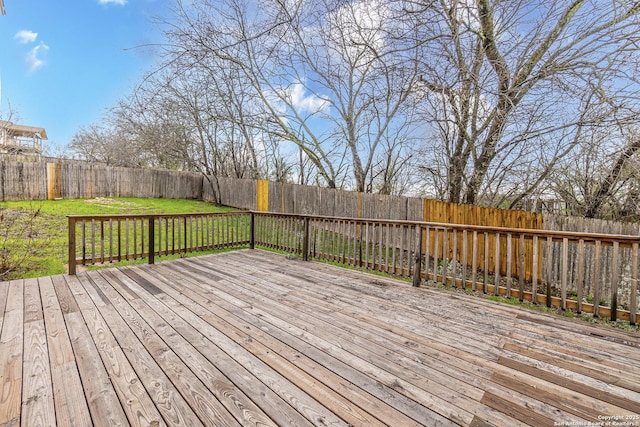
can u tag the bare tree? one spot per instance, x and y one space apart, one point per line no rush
105 145
325 76
603 179
510 82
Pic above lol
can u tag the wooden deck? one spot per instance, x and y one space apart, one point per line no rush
255 338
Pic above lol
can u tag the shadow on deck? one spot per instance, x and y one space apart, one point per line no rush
255 338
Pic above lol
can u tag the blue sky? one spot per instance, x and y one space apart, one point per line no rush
63 63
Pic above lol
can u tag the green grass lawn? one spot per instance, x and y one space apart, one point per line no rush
33 234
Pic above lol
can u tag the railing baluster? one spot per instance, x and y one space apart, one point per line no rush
119 239
366 245
93 241
465 254
179 237
454 259
496 280
394 245
159 241
173 236
509 264
403 231
548 270
633 300
305 238
126 238
71 253
474 261
135 238
445 254
427 255
340 237
596 279
204 232
380 246
387 248
152 245
372 246
166 235
101 241
565 267
357 241
615 280
110 239
522 268
436 244
534 290
192 244
417 279
580 278
485 287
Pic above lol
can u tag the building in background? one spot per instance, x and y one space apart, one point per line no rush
18 139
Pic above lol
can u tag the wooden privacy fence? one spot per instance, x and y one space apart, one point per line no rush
48 178
539 263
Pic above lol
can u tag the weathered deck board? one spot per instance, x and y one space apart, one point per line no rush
11 355
255 338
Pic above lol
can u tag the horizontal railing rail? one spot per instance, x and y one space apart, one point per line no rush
584 272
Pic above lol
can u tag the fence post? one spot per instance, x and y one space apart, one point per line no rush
417 279
72 245
252 230
152 239
305 240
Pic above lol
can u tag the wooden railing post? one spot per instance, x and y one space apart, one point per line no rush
305 239
417 279
152 239
252 230
72 245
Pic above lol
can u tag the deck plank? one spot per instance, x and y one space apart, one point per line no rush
37 392
70 403
255 338
11 347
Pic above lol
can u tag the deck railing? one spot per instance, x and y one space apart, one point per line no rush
99 239
584 272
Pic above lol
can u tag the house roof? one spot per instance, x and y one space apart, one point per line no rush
22 130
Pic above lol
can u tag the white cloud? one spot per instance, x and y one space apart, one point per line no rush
26 36
34 57
310 103
118 2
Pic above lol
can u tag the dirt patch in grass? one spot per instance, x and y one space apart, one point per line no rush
108 203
